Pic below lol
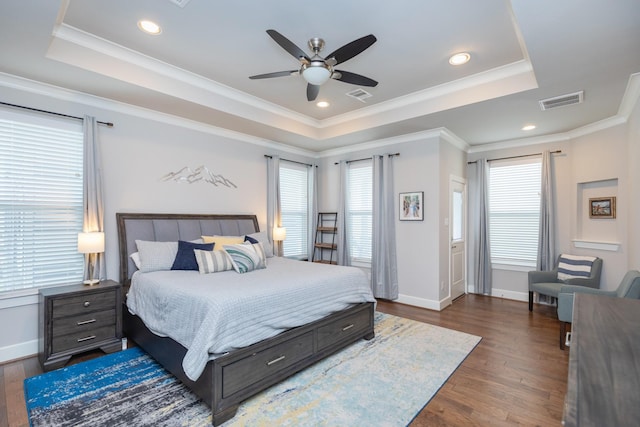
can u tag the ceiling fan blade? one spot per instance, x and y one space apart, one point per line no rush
287 45
355 79
352 49
312 92
276 74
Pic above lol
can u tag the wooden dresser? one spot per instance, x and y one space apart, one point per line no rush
604 373
77 318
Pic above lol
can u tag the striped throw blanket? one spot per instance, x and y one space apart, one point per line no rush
574 266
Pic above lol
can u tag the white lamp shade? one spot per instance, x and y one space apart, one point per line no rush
279 233
316 75
91 243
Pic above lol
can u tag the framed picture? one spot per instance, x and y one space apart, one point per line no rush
412 206
602 208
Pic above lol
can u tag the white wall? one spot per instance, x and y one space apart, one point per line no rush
422 246
590 165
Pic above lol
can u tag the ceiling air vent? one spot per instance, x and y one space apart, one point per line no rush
561 101
359 94
181 3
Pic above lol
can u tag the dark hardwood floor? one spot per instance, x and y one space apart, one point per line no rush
517 375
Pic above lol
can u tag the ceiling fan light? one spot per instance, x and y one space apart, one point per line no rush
316 75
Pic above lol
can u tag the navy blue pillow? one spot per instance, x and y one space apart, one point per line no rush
186 258
250 240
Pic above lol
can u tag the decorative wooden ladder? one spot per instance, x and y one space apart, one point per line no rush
326 232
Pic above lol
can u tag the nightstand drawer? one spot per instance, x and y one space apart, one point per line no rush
80 339
95 301
83 322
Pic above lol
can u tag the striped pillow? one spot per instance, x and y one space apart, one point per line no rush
246 257
212 261
574 266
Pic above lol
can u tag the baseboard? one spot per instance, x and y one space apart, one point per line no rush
18 351
421 302
514 295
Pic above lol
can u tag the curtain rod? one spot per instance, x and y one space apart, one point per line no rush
108 124
367 158
516 157
291 161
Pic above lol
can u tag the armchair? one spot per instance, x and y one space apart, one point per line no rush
628 288
550 282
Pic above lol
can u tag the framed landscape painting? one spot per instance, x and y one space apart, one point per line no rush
602 208
412 206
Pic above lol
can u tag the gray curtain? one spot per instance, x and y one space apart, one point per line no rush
273 201
343 248
92 198
546 237
481 247
384 268
312 209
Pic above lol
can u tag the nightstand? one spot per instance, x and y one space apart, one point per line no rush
77 318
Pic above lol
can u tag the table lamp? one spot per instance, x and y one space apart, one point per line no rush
279 234
91 243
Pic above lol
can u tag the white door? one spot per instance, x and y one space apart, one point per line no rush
458 276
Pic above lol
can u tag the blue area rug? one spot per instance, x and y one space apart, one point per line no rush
382 382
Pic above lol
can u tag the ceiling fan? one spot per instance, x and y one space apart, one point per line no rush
317 70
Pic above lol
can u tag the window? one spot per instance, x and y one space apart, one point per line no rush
514 211
294 208
40 201
360 211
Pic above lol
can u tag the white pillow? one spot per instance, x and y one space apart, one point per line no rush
155 256
262 237
135 257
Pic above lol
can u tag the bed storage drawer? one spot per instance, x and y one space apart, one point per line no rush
343 328
262 364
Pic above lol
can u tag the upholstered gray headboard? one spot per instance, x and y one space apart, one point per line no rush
171 228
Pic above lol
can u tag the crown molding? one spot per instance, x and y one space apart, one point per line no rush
630 97
85 50
75 97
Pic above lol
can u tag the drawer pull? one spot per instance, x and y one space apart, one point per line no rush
346 328
275 360
87 303
90 337
86 322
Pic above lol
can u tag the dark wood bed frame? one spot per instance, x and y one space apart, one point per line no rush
230 379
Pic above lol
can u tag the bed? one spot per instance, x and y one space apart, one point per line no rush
232 375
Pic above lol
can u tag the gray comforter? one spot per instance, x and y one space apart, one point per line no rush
211 314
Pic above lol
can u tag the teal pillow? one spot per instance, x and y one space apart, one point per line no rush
246 257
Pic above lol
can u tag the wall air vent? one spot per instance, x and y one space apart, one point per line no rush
561 101
181 3
359 94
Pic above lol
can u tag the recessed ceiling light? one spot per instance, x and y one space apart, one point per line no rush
529 127
149 27
459 58
322 104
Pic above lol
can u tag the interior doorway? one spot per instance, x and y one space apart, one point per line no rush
457 234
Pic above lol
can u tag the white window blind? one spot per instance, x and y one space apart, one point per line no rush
40 201
294 208
360 211
514 205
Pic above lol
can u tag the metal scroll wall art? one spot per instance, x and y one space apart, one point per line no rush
200 174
